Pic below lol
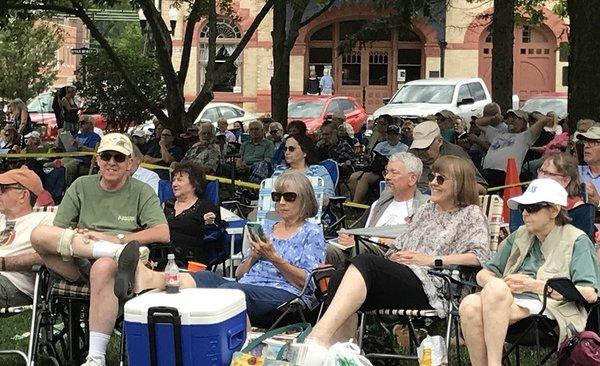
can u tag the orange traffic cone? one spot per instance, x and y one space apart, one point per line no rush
512 177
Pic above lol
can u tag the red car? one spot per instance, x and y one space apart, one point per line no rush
41 113
312 110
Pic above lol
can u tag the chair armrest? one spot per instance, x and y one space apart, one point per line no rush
337 199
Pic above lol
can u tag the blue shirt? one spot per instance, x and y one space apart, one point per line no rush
387 150
87 139
313 171
304 250
326 84
586 176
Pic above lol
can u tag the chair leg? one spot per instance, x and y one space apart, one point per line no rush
361 328
33 330
122 353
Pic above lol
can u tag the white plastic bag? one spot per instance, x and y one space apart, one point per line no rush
346 354
432 351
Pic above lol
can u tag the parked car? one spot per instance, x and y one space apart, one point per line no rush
419 98
548 102
312 110
233 113
42 114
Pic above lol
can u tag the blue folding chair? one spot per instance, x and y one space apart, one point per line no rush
329 217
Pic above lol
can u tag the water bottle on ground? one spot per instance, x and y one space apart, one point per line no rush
172 275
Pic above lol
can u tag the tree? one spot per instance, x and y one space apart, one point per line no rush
103 88
503 38
583 78
27 57
176 118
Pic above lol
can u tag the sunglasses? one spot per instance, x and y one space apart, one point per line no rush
290 148
6 187
439 179
287 196
272 132
533 208
106 156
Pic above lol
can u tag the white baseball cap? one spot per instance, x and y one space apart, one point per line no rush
541 190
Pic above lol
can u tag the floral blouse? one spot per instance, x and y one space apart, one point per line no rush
305 250
433 232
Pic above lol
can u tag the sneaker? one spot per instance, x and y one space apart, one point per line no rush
144 254
94 361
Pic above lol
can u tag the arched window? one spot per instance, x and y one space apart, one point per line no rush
228 37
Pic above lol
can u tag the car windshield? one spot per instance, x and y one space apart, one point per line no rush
305 109
435 94
40 104
543 105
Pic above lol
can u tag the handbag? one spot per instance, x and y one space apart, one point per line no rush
249 355
581 349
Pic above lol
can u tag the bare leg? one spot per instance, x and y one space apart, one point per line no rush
471 322
498 311
44 240
349 297
362 188
146 278
103 302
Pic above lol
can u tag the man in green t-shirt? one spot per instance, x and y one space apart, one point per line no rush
98 215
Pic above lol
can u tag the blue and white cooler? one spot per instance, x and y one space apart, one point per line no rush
202 327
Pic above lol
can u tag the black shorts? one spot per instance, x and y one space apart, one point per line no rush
390 285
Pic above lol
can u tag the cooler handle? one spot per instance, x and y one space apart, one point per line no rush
162 315
236 337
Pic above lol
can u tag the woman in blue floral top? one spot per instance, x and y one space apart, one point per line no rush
275 270
301 156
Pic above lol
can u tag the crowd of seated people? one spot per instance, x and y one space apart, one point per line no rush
433 171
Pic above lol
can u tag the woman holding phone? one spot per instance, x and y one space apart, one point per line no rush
278 264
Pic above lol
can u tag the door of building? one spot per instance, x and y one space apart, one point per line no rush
534 57
366 75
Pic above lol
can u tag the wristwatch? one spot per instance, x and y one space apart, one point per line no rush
121 238
438 262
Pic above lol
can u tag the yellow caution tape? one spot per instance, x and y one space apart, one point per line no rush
48 155
356 205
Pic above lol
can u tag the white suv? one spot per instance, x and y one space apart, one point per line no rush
416 99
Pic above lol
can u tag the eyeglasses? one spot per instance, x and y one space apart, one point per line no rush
290 148
6 187
542 172
439 179
287 196
533 208
106 156
272 132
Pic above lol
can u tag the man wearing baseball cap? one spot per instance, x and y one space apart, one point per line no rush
511 144
590 173
428 145
106 210
19 189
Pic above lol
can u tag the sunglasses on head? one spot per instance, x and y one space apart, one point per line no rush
439 179
290 148
287 196
533 208
106 156
6 187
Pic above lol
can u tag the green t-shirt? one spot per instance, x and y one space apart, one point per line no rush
584 267
132 208
253 153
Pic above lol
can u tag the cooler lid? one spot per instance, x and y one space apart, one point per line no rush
195 305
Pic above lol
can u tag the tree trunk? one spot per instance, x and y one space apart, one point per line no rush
280 82
503 25
584 78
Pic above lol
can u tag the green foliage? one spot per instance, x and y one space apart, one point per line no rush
27 57
104 89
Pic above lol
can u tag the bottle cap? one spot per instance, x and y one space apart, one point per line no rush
171 256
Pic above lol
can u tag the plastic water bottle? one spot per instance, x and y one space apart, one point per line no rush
172 275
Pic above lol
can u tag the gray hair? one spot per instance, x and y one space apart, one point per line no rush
411 162
206 125
276 124
297 182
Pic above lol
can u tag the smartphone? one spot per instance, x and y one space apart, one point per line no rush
256 229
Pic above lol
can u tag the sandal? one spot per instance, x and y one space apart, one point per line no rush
127 264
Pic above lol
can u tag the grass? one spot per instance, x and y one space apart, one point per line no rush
19 324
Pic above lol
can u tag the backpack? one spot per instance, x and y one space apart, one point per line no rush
581 349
